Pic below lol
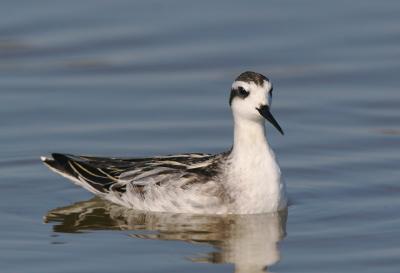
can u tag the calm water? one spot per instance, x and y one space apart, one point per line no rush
143 78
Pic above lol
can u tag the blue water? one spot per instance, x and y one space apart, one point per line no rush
142 78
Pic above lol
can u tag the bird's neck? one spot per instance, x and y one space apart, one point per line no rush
249 139
254 174
251 155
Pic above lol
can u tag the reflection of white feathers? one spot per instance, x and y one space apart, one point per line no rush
250 242
244 180
253 242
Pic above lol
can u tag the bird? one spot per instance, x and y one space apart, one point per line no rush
246 179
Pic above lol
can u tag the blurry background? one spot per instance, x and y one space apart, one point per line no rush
139 78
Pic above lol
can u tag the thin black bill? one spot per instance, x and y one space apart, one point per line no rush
266 113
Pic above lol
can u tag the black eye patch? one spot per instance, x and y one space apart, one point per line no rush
239 92
242 92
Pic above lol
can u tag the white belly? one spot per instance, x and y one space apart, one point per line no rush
256 187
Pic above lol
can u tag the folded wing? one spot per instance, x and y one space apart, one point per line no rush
102 175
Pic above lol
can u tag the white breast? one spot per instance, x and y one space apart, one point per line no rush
255 183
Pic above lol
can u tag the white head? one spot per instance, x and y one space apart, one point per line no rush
251 98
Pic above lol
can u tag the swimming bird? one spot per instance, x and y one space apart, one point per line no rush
244 180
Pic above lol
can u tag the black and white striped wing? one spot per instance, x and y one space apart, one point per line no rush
115 174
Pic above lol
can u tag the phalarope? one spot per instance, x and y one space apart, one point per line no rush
245 180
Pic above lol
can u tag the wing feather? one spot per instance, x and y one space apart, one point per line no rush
114 174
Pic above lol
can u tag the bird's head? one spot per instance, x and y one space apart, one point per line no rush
251 98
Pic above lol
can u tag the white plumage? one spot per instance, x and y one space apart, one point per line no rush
244 180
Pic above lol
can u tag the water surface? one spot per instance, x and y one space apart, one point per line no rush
141 78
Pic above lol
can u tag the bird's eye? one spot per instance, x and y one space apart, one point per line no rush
242 92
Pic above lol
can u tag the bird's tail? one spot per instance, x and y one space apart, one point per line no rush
63 164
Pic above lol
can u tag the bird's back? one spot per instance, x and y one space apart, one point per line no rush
176 183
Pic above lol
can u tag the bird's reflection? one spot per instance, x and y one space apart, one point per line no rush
250 242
